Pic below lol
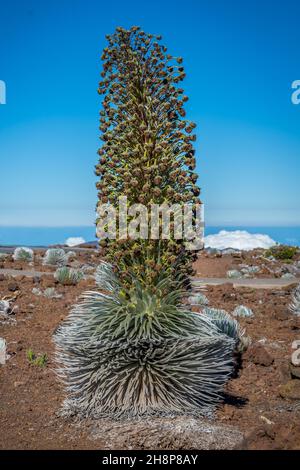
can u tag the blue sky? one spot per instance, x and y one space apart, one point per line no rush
241 58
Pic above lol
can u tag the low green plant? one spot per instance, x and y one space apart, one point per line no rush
36 360
68 276
41 360
30 355
282 252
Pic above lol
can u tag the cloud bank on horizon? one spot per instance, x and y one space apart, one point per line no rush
239 240
74 241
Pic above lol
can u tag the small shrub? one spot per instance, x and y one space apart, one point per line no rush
282 252
3 256
40 360
4 307
198 299
242 311
68 276
51 293
23 254
288 276
250 270
36 291
294 306
55 257
234 274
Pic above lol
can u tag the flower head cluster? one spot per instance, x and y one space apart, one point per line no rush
147 151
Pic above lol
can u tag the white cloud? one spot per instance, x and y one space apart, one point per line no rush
238 239
73 241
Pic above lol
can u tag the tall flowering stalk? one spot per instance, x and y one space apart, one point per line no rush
147 153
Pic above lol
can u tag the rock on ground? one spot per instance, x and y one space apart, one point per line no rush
258 354
290 390
182 432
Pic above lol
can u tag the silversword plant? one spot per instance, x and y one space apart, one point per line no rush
23 254
134 347
68 276
55 257
294 306
132 353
